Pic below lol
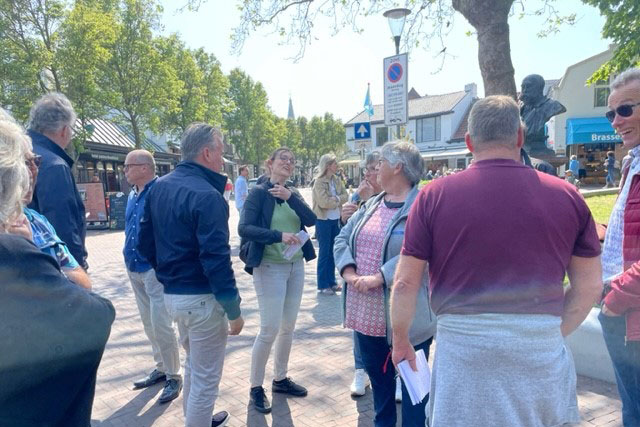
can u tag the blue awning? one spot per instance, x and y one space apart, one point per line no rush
591 130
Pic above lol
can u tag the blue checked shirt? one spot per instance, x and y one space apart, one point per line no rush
612 257
46 239
135 210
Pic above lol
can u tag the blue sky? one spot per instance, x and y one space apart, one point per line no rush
333 75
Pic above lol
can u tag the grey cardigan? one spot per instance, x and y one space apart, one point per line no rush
344 249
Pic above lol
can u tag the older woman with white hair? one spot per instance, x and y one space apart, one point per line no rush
366 253
329 195
57 330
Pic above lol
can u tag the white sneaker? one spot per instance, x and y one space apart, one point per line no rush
360 383
398 390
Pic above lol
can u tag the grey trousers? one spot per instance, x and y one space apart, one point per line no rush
203 330
157 324
279 291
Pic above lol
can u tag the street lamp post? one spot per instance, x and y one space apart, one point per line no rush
396 18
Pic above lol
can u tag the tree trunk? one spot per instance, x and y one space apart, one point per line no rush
490 18
136 131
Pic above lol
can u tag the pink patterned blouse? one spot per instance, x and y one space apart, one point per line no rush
365 310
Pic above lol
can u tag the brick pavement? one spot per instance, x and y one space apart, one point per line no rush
321 359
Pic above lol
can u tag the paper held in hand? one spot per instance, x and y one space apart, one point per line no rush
290 250
417 383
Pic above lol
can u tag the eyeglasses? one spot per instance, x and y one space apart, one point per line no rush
625 110
129 165
289 159
370 169
34 161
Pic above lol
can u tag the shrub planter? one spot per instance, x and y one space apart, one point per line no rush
589 350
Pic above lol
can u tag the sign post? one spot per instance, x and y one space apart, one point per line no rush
395 91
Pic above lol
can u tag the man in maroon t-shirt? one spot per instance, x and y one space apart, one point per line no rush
498 239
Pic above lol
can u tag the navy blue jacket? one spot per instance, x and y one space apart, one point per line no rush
56 196
255 224
135 211
184 234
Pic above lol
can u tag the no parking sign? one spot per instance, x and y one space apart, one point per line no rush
395 90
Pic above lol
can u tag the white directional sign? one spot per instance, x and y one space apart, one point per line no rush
395 90
362 130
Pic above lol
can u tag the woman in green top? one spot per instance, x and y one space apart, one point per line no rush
272 216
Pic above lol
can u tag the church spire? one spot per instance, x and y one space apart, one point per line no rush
290 114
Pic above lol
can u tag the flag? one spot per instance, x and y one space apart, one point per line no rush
368 106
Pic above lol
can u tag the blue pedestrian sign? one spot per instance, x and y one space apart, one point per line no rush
362 130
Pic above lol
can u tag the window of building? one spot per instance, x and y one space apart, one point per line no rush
601 93
461 163
382 136
428 129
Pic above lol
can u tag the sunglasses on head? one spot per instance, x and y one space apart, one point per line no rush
624 110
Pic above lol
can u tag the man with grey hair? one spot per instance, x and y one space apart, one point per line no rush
184 235
498 239
56 196
140 171
620 314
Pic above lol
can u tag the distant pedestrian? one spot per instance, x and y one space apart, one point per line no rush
56 196
140 172
273 215
574 166
329 195
241 187
184 235
610 164
620 314
496 282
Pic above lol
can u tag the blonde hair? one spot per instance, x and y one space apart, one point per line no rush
14 174
325 161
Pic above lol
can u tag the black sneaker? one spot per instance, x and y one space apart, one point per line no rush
220 419
289 387
259 400
171 390
154 377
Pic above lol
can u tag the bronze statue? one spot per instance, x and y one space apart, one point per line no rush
536 109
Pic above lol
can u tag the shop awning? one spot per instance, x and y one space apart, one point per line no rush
590 130
444 154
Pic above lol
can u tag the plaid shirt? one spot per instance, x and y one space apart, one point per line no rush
612 261
46 239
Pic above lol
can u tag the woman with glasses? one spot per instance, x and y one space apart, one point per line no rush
366 253
329 195
270 221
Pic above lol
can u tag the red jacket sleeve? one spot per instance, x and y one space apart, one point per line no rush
625 291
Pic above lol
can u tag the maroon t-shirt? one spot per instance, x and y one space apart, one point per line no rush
498 238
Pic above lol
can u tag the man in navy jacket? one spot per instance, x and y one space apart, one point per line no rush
184 234
56 196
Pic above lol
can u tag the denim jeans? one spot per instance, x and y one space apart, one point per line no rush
156 322
357 356
626 366
610 177
279 291
326 232
375 354
203 328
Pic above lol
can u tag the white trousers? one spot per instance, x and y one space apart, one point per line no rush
279 290
157 324
203 330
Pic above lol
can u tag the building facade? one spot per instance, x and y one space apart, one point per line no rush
583 129
435 124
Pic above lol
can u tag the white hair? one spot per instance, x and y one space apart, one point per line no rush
51 113
14 174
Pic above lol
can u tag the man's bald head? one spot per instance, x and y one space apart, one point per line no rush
139 168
